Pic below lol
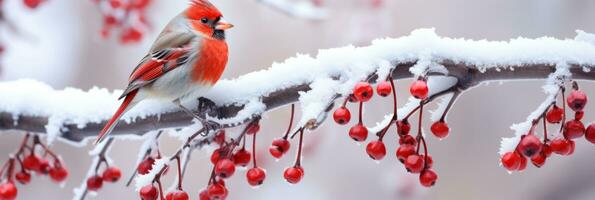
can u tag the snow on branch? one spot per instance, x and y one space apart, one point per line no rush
314 82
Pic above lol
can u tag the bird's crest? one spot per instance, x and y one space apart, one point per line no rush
202 8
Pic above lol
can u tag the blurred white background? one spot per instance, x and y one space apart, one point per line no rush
60 45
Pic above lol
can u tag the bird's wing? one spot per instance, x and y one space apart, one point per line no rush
170 51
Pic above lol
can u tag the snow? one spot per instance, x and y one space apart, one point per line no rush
585 37
330 72
559 77
146 179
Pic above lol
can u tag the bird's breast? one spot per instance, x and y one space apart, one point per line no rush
210 63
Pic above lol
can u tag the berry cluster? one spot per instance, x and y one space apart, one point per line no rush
126 16
110 174
531 147
409 150
31 160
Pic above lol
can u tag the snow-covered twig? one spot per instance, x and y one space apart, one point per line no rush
99 152
74 114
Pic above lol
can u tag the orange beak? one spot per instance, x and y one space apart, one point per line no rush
223 25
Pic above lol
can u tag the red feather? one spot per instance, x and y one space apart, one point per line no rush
113 121
211 62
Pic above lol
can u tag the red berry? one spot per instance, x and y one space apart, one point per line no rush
23 177
407 139
579 115
529 145
216 155
428 178
220 137
242 158
255 176
217 191
253 129
149 192
539 159
358 132
58 174
440 129
414 164
403 127
560 146
8 191
419 89
363 91
429 161
94 183
225 168
554 115
31 162
279 147
404 151
294 174
145 166
376 150
204 195
590 133
384 88
574 129
44 166
523 164
577 100
342 115
32 3
112 174
547 150
511 161
572 147
177 195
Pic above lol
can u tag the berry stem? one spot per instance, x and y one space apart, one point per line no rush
37 141
10 170
392 85
451 102
160 188
545 140
23 145
298 161
361 106
291 121
563 91
179 173
254 150
425 152
419 134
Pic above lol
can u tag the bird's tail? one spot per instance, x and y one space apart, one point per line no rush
125 106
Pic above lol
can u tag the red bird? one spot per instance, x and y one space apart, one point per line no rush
188 56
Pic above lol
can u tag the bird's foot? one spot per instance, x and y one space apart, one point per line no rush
206 105
209 125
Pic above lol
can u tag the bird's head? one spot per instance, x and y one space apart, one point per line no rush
205 19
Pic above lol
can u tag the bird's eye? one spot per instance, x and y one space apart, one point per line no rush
204 20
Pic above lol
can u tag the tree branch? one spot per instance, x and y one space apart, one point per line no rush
422 50
468 76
